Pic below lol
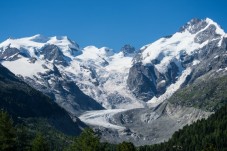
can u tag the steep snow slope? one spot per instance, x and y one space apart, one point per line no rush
24 68
160 65
31 44
102 74
166 50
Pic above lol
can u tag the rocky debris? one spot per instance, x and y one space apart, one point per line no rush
150 126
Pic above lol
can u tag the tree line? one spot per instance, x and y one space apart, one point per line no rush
20 138
203 135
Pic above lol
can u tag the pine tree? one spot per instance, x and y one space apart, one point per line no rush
23 138
7 132
126 146
39 143
87 141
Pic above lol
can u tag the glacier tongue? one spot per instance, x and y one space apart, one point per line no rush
102 118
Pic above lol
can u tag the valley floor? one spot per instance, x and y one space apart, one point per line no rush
142 126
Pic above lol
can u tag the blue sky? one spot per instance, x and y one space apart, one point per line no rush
110 23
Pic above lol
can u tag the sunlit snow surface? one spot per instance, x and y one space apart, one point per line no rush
37 42
167 49
23 67
106 75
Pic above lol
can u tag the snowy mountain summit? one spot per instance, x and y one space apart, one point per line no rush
36 46
95 78
163 66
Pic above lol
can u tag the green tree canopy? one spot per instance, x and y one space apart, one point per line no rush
7 132
87 141
126 146
39 143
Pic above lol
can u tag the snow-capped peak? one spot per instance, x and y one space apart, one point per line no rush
67 46
219 30
197 25
37 42
92 52
194 25
39 38
195 34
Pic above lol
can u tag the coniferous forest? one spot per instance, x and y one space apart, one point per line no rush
203 135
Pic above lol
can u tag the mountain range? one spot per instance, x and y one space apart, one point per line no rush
143 95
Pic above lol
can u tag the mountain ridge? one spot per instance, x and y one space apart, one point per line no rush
165 60
23 102
92 79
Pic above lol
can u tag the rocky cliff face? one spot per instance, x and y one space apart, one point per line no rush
128 50
199 45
